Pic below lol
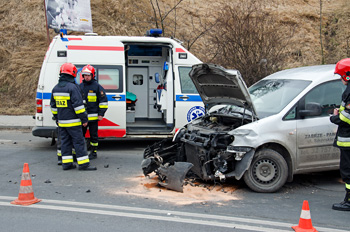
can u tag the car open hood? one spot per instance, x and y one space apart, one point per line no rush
219 86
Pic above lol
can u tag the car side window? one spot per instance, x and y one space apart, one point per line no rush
328 95
292 114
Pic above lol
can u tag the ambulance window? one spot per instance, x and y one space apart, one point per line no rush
110 78
137 79
187 85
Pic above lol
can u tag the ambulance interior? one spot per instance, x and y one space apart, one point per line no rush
148 72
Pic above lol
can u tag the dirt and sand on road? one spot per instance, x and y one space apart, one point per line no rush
193 191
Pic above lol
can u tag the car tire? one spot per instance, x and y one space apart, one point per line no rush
267 173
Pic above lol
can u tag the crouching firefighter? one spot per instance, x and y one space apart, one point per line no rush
96 103
69 111
341 117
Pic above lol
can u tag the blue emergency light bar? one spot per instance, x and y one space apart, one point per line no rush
63 31
154 32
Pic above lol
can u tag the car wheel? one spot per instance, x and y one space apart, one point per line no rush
267 173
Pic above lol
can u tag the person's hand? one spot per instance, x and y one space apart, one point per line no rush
100 118
336 111
85 124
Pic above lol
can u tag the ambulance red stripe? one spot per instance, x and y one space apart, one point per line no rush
96 48
108 133
179 50
74 39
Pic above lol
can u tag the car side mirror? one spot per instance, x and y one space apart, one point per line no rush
311 109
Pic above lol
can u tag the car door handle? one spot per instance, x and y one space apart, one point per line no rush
117 97
184 97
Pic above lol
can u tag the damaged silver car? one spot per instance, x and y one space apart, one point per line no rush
265 135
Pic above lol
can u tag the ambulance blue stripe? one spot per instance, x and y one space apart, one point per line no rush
47 96
43 95
192 98
109 97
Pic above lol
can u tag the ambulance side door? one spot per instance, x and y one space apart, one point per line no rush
107 56
110 77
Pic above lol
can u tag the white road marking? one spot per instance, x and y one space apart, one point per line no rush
164 215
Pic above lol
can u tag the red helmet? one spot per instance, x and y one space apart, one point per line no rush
342 68
69 68
88 70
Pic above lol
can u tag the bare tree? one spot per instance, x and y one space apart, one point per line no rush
160 15
321 41
168 16
249 39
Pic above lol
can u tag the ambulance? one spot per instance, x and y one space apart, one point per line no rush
146 78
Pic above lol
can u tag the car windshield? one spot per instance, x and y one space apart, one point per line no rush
271 96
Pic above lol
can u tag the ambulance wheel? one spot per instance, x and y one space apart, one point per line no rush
267 173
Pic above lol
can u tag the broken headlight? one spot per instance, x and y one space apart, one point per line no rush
238 152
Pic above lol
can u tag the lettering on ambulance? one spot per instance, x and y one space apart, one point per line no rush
195 112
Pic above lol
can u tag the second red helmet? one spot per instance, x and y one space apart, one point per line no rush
87 70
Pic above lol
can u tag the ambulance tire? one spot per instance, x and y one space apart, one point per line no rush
267 173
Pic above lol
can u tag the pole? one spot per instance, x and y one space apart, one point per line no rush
47 28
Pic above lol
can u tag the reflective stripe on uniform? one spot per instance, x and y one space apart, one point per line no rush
92 117
344 116
61 96
67 159
347 186
59 153
92 97
54 110
79 109
83 160
343 141
103 105
93 144
69 123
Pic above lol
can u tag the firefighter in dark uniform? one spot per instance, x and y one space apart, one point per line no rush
69 111
341 117
59 153
96 103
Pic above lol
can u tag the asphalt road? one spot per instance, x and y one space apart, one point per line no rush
117 197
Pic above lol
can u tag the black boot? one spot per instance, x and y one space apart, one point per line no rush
72 166
59 162
344 205
93 155
87 168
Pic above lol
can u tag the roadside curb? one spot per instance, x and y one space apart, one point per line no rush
16 122
16 127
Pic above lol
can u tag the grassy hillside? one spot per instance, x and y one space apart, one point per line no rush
23 39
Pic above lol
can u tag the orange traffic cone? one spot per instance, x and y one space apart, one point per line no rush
305 224
26 194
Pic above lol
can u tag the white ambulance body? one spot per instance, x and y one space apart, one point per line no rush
155 69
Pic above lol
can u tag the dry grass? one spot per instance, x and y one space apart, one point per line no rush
23 40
